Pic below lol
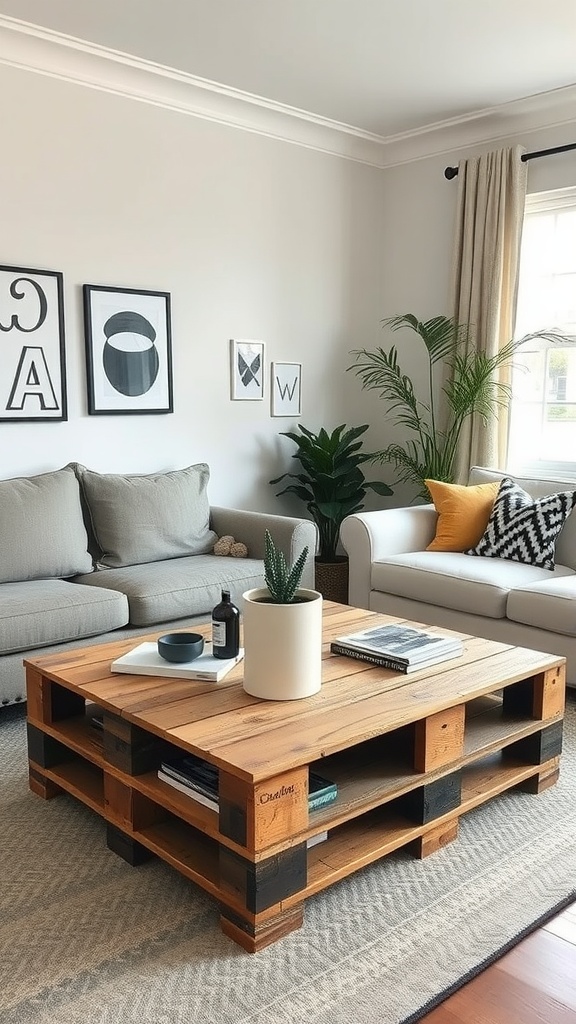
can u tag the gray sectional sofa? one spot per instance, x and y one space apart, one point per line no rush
526 605
87 557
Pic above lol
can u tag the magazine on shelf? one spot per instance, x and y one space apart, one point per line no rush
396 645
199 779
212 802
145 660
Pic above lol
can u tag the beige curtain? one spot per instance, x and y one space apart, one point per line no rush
491 197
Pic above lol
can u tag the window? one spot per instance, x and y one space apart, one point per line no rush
542 435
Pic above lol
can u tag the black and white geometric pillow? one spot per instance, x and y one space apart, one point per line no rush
522 528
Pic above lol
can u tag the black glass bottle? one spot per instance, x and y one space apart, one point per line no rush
225 628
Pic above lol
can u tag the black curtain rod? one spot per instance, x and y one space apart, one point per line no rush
452 172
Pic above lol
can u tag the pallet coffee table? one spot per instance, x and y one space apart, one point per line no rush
410 755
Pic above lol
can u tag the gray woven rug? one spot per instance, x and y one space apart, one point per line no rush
86 939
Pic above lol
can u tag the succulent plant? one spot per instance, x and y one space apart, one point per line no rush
281 579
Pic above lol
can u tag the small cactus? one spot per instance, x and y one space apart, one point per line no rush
282 581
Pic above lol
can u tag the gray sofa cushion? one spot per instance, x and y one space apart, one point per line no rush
39 612
479 586
146 518
178 587
42 532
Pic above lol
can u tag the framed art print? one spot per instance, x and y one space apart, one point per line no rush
286 389
128 350
32 360
247 370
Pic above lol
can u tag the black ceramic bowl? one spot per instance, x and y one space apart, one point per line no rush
180 646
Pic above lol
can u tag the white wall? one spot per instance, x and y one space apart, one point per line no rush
252 237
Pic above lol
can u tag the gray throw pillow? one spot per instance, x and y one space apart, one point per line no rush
148 517
42 532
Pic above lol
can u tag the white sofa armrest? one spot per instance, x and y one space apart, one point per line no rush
289 533
368 536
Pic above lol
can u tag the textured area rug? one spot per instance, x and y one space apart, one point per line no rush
86 938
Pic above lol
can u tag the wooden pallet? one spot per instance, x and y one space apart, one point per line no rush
410 755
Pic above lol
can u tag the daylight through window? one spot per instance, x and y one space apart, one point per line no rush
542 438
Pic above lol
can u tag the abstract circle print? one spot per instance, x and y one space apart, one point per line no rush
130 356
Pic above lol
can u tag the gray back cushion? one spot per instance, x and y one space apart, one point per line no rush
42 533
146 518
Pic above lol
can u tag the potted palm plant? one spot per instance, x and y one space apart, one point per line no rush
282 631
470 385
332 485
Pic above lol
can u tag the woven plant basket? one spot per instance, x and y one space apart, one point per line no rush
331 579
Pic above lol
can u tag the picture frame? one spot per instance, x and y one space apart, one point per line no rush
128 339
32 351
286 389
246 370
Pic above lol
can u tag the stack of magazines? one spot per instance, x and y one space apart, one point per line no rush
199 780
398 646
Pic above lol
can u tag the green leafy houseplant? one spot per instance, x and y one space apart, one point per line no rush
331 482
281 579
470 386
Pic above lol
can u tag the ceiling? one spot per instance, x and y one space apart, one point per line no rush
386 67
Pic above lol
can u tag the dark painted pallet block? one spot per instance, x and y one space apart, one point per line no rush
232 821
130 748
433 799
518 699
539 747
262 885
126 847
65 703
45 750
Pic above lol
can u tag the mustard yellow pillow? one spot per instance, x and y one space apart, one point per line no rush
463 513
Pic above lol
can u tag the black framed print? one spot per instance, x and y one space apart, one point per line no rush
32 358
128 350
286 389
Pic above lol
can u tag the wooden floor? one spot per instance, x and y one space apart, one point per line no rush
535 983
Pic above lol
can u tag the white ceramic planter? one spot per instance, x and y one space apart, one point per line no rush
282 646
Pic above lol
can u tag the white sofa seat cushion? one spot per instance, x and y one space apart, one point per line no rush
39 612
479 586
177 588
550 605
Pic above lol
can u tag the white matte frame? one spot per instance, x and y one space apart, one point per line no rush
286 389
246 370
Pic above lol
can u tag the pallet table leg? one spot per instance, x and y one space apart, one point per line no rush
253 935
545 778
126 847
435 838
42 786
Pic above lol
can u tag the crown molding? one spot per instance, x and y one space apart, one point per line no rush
43 51
491 125
32 48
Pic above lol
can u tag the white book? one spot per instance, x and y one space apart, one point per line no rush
320 837
189 790
145 660
404 644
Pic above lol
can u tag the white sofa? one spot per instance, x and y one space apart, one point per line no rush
503 600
